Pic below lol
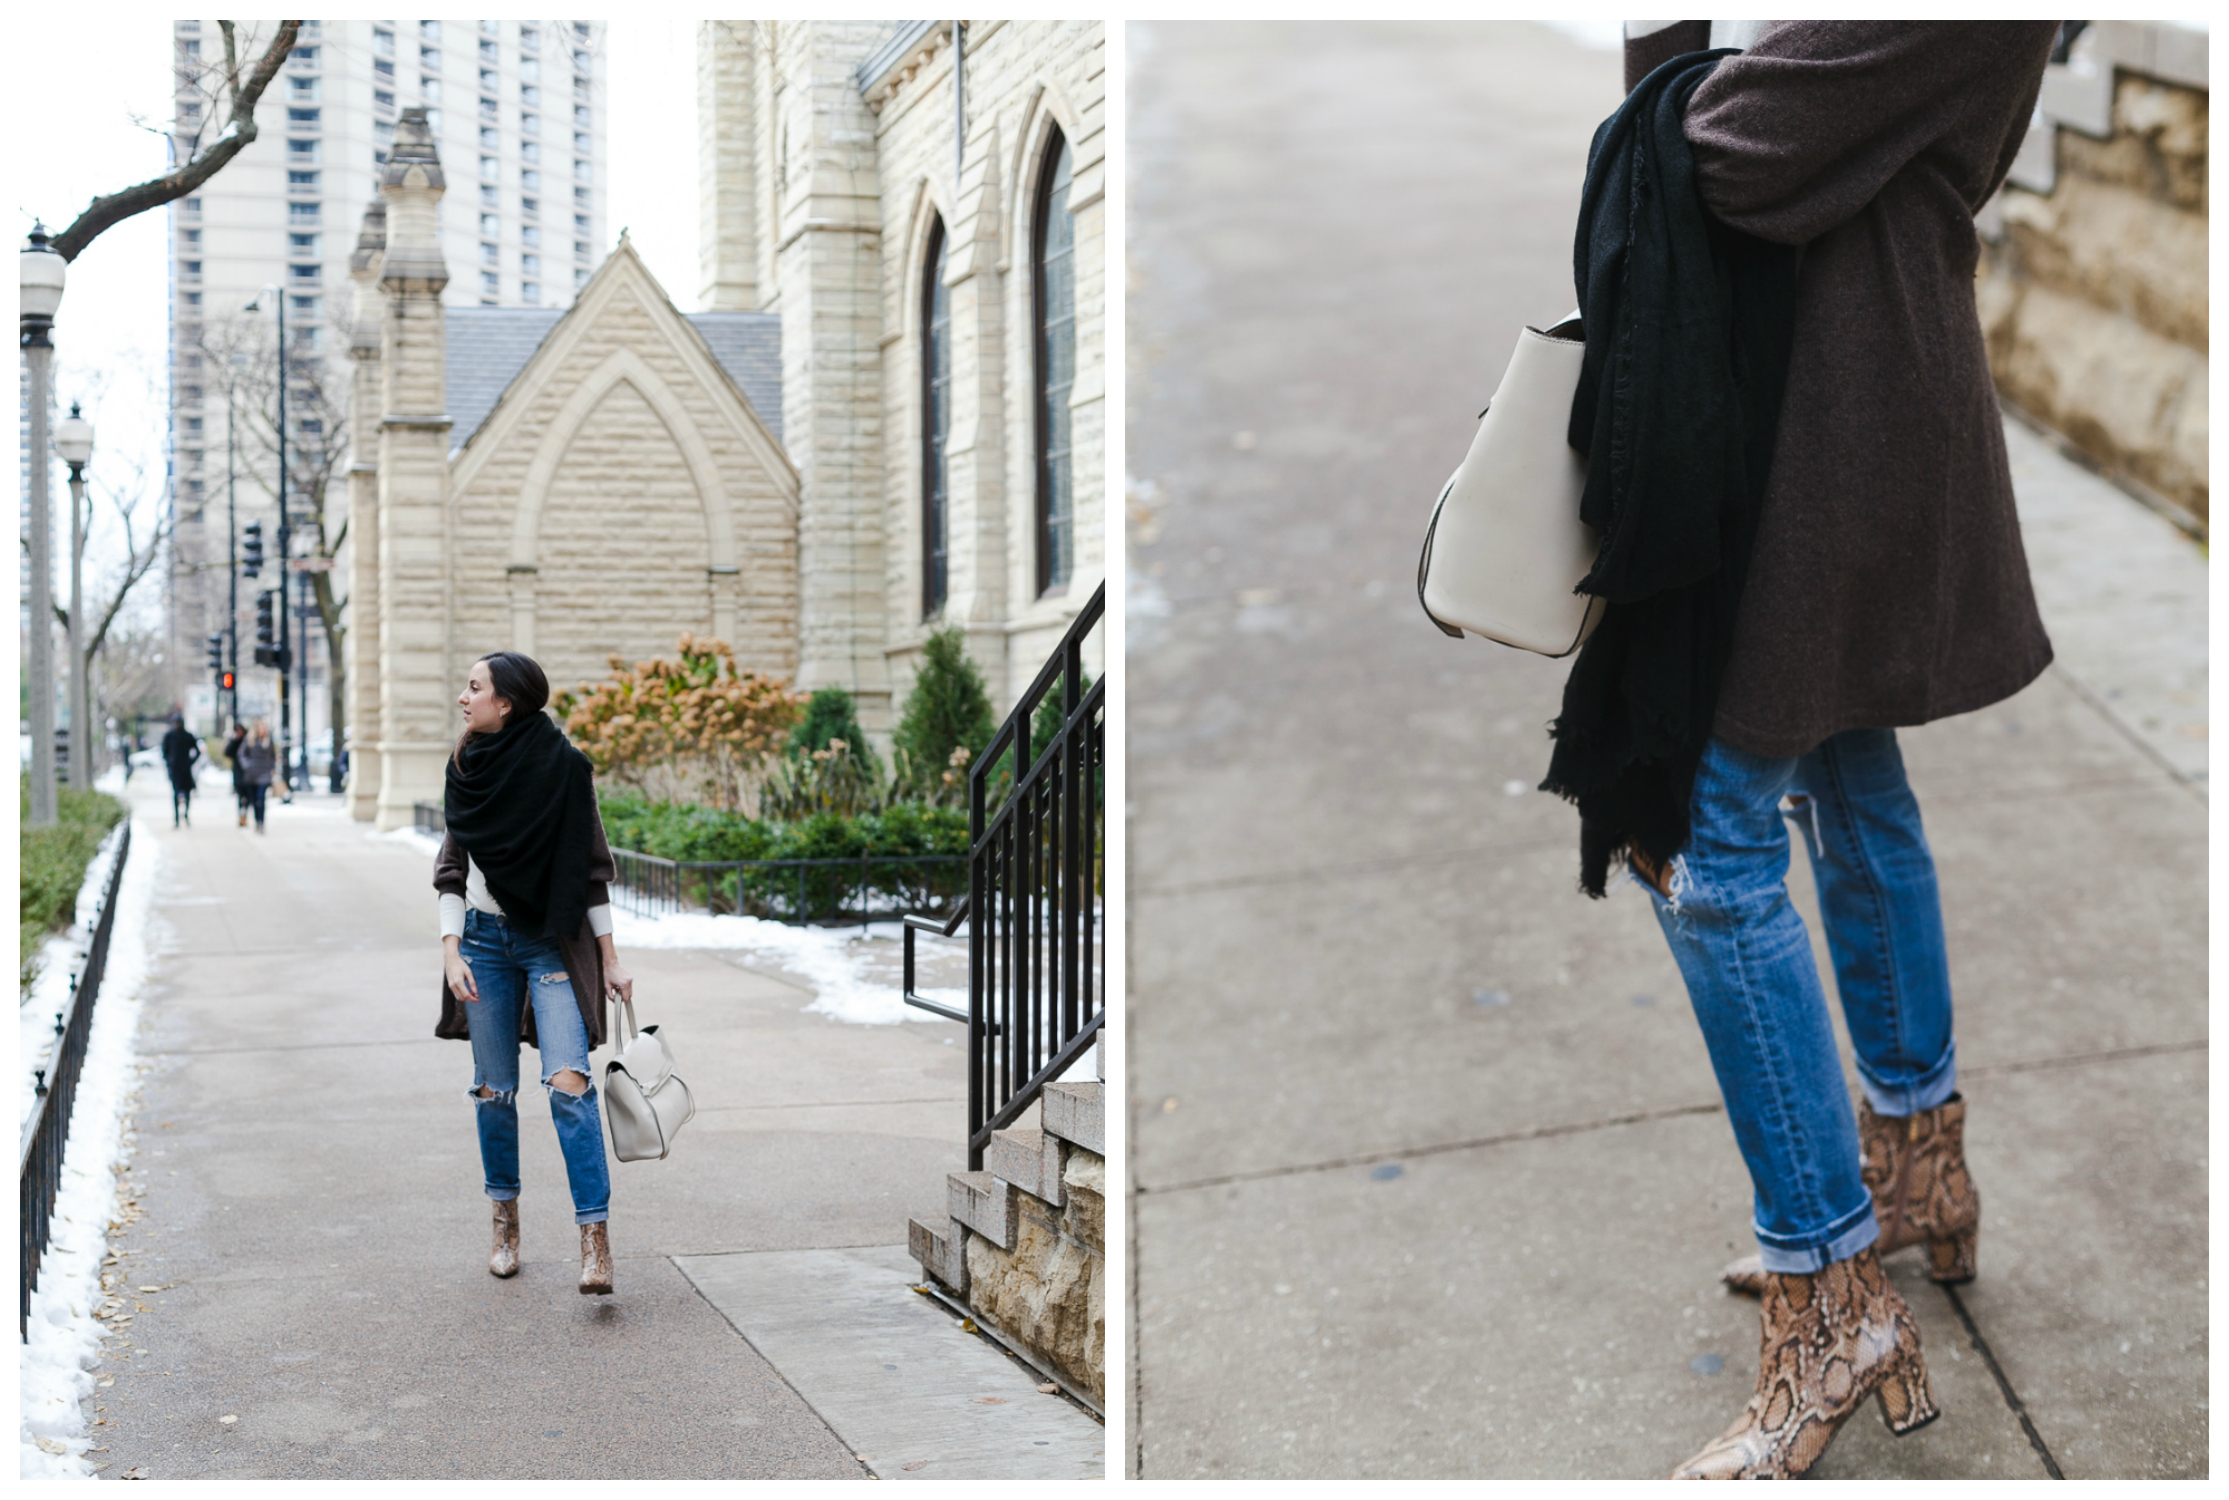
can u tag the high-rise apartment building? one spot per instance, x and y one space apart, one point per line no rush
518 109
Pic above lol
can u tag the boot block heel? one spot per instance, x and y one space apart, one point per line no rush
1907 1402
1954 1260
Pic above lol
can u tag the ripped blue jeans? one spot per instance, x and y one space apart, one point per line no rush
1746 956
513 972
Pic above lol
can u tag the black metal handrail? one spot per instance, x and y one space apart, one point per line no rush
1034 912
791 890
46 1134
429 817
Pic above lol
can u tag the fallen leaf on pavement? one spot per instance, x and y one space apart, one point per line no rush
150 1288
919 1463
50 1445
990 1400
1049 1388
228 1421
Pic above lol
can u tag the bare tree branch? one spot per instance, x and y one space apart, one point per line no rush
106 212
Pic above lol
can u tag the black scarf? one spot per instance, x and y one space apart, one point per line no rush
519 802
1688 326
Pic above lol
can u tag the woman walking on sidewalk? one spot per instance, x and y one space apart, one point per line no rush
1873 551
526 935
253 765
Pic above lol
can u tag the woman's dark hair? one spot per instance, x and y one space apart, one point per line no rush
518 680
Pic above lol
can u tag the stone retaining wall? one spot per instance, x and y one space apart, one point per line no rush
2093 279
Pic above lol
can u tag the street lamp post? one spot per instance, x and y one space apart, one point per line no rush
286 724
73 439
41 274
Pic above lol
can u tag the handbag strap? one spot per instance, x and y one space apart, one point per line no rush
627 1006
1424 561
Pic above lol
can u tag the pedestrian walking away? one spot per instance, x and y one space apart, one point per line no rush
1808 539
232 744
253 769
180 751
524 880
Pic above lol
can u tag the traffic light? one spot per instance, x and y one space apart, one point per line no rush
266 632
227 681
216 653
251 550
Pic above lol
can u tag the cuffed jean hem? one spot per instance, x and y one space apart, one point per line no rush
592 1216
1917 1096
1841 1244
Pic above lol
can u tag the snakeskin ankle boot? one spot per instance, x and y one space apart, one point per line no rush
595 1260
1915 1168
1831 1340
503 1260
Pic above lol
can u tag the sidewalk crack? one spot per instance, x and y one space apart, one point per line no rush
2013 1402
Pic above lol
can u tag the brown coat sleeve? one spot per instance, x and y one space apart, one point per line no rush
449 872
602 868
1796 136
1645 54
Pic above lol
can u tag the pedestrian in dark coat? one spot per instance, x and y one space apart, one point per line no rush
257 759
180 751
232 746
1886 586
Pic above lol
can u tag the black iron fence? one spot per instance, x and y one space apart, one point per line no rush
1035 908
429 818
853 888
47 1132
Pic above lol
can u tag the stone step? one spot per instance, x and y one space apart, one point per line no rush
1029 1159
943 1256
1077 1113
985 1204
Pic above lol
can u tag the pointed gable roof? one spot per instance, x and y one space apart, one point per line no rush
489 347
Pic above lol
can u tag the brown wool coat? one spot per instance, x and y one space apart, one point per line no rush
1888 585
583 955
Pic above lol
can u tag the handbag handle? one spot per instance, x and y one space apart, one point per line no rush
1424 562
633 1030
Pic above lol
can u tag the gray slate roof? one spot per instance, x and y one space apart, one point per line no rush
488 346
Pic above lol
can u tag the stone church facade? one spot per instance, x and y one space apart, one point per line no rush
887 420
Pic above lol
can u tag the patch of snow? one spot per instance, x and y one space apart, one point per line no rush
839 964
64 1336
417 838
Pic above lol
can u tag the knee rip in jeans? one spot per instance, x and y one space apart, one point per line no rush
562 1080
1671 883
485 1095
1794 806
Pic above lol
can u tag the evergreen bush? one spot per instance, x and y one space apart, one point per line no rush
948 711
52 867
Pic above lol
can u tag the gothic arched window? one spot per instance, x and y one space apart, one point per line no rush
1053 256
936 423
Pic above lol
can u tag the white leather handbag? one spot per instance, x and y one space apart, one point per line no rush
645 1101
1506 546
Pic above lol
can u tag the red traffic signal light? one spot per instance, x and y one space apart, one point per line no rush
227 682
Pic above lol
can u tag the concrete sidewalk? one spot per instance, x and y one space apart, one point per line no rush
311 1208
1429 1176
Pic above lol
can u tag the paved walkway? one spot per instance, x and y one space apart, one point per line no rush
1429 1177
311 1205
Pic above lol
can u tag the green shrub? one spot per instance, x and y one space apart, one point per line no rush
52 868
883 839
831 715
948 711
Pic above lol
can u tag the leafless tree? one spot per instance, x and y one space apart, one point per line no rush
133 509
240 355
231 103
